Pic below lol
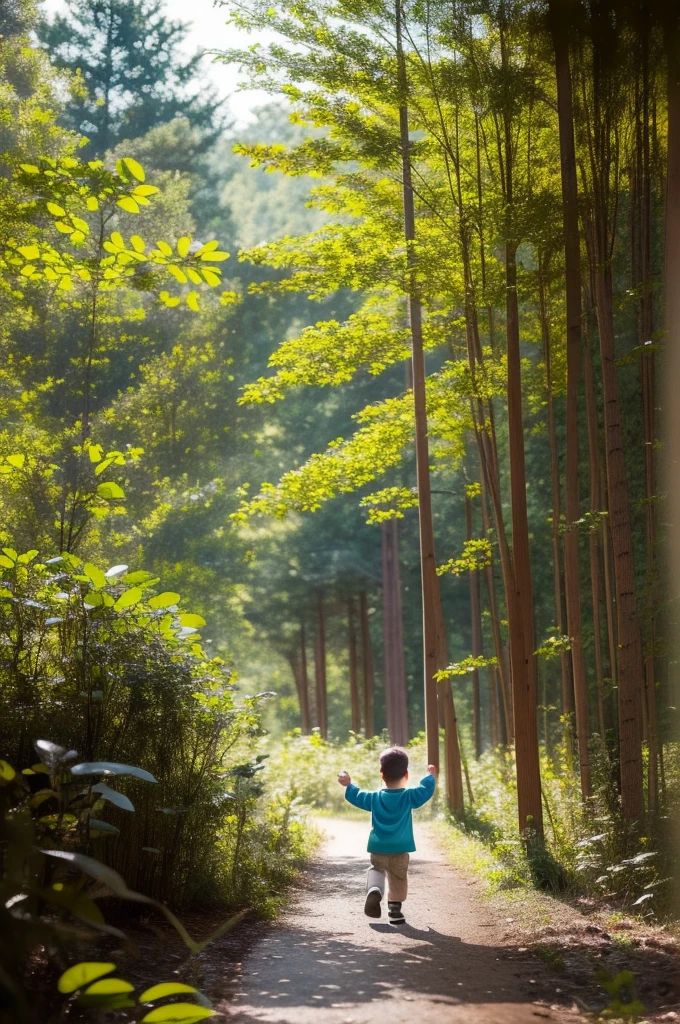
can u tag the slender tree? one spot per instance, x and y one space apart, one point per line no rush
320 668
572 278
355 704
396 706
367 667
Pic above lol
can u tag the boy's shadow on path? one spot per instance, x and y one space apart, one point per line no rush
313 962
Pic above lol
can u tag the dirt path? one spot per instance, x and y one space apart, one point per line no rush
325 962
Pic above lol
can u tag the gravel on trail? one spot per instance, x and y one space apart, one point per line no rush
325 962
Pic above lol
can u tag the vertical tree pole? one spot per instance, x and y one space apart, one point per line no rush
320 669
396 708
303 691
433 643
524 671
572 277
355 705
476 635
672 308
367 666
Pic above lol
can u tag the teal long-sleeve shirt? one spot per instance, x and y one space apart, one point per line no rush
392 820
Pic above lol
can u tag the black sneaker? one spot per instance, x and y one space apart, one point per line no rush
372 906
395 915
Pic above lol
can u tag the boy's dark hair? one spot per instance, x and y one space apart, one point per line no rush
394 763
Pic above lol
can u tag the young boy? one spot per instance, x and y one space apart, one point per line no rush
391 839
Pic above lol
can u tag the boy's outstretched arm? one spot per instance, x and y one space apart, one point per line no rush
357 797
425 790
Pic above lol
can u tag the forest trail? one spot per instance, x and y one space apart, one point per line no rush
325 962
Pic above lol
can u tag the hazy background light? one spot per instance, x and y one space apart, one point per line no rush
207 30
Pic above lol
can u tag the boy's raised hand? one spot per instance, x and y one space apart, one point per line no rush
344 778
432 770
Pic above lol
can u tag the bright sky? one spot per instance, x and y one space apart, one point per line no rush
207 30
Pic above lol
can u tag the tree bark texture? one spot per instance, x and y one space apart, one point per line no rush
320 669
367 667
396 708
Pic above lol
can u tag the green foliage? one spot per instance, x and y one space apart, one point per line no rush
476 554
90 986
623 1004
469 664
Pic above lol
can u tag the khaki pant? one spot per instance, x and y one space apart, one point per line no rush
395 867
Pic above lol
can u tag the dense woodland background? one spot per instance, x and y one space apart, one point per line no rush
194 446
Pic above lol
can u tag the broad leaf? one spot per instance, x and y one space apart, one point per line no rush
81 974
95 574
110 490
113 796
128 598
167 988
181 1013
109 987
196 621
96 825
111 768
164 600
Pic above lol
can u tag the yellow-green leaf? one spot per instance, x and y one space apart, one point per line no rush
92 204
177 273
30 252
95 574
164 600
110 490
178 1013
128 204
7 773
55 210
183 246
128 598
17 460
135 169
192 301
110 987
137 243
82 974
211 277
195 621
167 988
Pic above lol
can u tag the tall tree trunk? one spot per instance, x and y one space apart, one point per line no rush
476 635
396 709
367 666
672 301
320 669
355 705
566 683
630 668
604 173
303 692
647 368
434 643
521 606
572 257
499 650
595 534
